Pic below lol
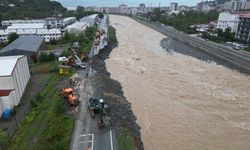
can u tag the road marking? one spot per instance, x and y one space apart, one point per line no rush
82 135
111 140
84 142
93 137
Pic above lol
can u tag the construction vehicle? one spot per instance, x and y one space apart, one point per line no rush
68 94
97 106
84 57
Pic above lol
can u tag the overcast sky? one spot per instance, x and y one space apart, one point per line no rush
111 3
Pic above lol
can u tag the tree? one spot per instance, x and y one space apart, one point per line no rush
80 9
66 36
228 35
220 32
12 37
101 15
43 57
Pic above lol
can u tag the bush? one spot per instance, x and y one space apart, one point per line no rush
12 37
39 97
112 34
33 103
3 137
247 49
59 106
65 53
43 57
54 42
53 68
51 57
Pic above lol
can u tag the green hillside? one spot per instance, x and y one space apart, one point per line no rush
29 9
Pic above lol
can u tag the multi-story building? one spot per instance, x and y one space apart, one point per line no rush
48 34
123 9
142 7
237 5
174 6
243 32
53 22
226 20
206 6
113 10
94 8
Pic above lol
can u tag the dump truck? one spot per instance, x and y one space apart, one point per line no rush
97 106
68 94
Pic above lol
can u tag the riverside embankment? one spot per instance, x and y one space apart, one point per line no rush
180 102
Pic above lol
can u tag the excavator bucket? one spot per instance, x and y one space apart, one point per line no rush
68 90
72 99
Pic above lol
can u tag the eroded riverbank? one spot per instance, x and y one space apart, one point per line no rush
180 102
102 86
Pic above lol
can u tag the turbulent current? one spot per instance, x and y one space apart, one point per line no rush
181 103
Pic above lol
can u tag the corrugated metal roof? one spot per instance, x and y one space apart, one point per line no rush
77 27
92 16
26 43
27 26
7 64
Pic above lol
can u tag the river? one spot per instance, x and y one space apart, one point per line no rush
181 103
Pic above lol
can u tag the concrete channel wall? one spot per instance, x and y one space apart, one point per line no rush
103 25
237 59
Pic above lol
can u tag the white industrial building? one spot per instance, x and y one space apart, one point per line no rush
92 19
53 22
78 27
226 20
26 26
10 22
14 76
48 34
68 21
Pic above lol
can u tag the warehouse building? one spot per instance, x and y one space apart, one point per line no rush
14 76
68 21
24 45
77 27
92 19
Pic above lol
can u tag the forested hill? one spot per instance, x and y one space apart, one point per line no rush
35 9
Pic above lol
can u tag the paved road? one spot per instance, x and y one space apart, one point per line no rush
87 135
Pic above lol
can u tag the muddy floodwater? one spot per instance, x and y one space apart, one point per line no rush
181 103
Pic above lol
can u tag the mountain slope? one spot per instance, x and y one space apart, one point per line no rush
29 9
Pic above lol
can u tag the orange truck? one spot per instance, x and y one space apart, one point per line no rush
68 94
